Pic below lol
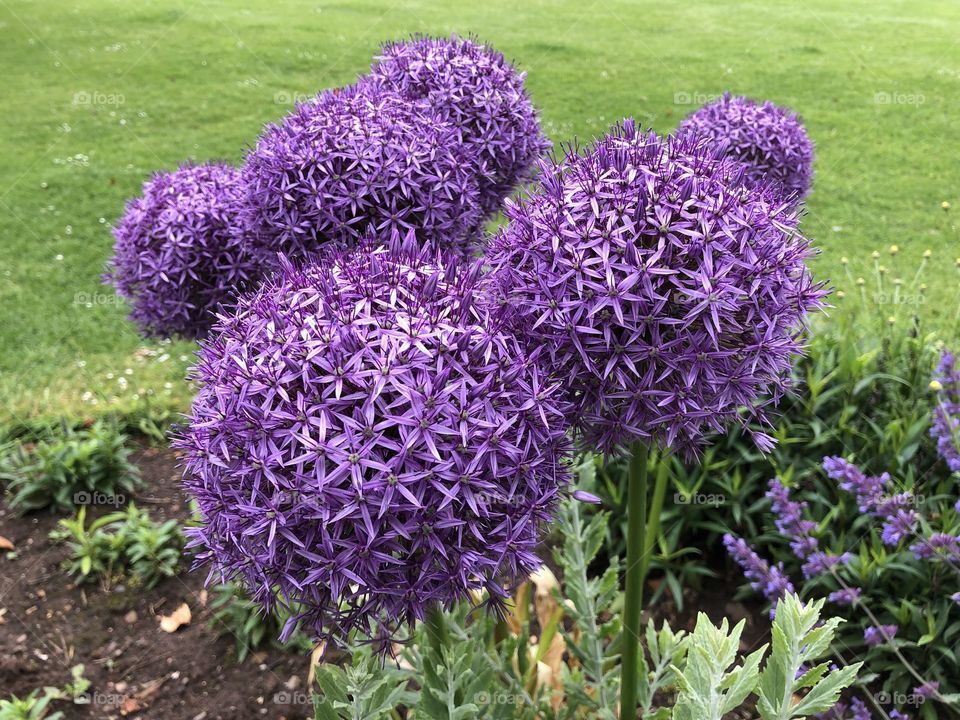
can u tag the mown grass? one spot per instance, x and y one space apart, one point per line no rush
98 94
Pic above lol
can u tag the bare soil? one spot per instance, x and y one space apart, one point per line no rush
48 624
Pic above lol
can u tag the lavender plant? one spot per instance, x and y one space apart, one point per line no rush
771 141
356 161
473 88
181 250
885 555
368 442
670 297
945 428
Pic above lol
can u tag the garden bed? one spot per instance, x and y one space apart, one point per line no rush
137 670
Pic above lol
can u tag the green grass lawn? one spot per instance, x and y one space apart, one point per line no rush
98 94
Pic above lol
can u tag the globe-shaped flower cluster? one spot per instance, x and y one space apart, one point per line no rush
669 294
475 89
180 249
771 141
355 161
367 442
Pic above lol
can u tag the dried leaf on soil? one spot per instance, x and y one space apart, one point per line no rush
175 620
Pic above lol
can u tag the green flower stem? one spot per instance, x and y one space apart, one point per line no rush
636 562
653 518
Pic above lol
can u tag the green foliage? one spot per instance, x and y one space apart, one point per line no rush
361 691
716 680
800 640
126 544
672 554
709 688
667 650
235 614
36 705
67 467
470 665
31 707
595 683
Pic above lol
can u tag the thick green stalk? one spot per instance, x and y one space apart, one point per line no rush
633 600
653 517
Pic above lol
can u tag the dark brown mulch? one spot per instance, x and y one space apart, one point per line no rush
137 670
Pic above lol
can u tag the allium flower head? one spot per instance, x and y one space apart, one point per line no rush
668 295
771 141
367 442
471 86
355 161
180 250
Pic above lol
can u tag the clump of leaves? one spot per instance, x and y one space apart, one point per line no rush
235 614
67 467
470 665
715 679
36 705
127 544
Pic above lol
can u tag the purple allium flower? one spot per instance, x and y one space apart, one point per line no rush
772 582
874 636
355 161
770 141
472 87
586 497
928 690
845 596
867 490
180 250
939 546
669 297
956 597
367 442
946 416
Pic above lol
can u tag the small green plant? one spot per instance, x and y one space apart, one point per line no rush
36 705
792 684
361 690
68 467
235 614
125 544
